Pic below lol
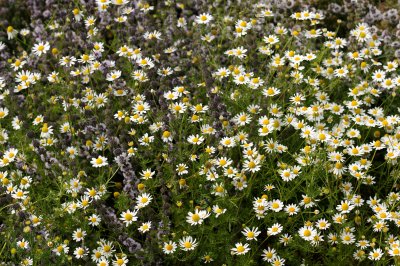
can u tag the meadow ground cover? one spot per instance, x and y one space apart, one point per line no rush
182 133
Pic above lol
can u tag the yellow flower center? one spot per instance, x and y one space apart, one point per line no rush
307 233
128 216
240 249
196 217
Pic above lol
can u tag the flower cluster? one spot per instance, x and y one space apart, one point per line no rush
161 132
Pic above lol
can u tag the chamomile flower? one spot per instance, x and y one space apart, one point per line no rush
11 32
19 194
197 217
143 200
307 233
222 73
269 254
23 244
27 261
228 142
195 139
204 18
218 190
100 161
276 205
147 174
242 119
169 247
345 206
394 250
61 249
251 233
106 247
182 169
275 229
145 227
240 249
322 224
188 243
94 220
152 35
78 235
113 75
271 91
347 238
41 48
80 252
120 260
218 211
375 254
128 217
